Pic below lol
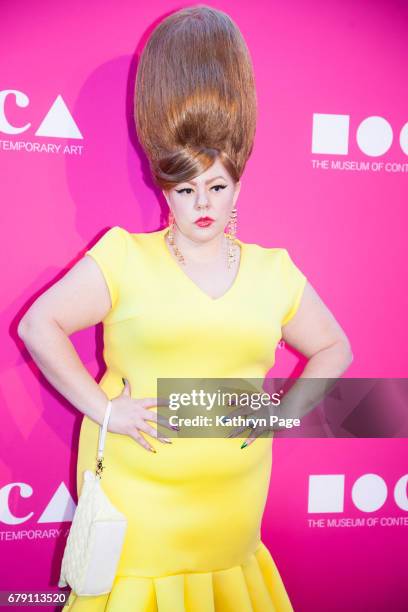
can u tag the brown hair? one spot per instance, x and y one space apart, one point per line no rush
195 98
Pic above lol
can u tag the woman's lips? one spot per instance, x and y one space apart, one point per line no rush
204 222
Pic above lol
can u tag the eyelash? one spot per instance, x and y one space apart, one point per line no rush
190 188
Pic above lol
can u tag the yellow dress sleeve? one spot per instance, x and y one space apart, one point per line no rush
294 283
109 253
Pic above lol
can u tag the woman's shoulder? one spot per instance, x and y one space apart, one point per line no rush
143 244
122 238
265 252
111 243
278 259
139 236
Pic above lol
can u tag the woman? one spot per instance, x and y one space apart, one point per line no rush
189 300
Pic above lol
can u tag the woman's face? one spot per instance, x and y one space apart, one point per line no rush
211 194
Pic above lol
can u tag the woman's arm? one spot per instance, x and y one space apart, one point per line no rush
315 333
77 301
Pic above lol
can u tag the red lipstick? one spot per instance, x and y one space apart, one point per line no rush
204 221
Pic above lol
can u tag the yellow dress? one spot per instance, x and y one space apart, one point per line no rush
194 507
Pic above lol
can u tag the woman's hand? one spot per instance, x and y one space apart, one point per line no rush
129 417
257 429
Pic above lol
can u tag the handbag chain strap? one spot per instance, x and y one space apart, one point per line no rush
102 435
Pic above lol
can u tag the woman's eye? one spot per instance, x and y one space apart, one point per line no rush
217 188
183 190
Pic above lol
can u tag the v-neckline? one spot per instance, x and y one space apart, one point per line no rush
187 279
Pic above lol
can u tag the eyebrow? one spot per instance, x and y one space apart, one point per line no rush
206 182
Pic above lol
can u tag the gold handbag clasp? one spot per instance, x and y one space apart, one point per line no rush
99 467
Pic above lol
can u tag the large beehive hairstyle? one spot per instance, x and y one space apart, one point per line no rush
195 98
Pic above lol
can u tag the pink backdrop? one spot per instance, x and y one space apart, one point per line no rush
326 180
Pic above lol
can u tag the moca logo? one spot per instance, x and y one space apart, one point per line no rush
58 121
369 493
59 509
330 135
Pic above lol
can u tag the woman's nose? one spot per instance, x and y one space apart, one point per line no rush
203 204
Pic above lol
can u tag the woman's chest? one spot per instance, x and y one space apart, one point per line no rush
163 313
168 323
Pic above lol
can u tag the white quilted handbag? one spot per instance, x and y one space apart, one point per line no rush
97 533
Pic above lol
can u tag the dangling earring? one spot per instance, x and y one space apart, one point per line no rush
232 229
175 248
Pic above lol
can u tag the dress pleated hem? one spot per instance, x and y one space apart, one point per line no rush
254 586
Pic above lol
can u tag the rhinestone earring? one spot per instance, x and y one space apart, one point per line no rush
175 248
232 229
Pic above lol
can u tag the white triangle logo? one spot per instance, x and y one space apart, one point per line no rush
60 508
59 122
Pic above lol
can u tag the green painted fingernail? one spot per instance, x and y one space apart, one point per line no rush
244 444
124 381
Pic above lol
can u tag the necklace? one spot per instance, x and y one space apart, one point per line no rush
231 249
